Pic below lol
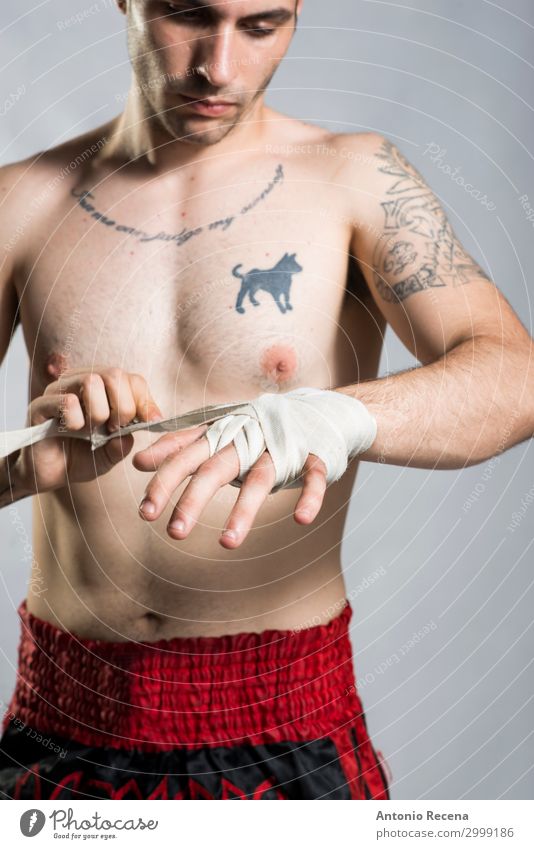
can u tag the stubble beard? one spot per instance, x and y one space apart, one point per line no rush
188 131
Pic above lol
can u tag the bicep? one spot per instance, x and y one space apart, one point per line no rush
431 291
9 314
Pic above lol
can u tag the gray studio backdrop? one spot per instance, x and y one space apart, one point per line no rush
438 564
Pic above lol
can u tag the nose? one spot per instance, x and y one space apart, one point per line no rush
214 60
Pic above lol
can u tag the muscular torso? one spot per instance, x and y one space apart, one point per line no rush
152 288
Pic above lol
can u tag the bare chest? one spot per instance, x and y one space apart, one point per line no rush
220 295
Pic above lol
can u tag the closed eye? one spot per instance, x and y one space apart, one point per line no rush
260 32
259 27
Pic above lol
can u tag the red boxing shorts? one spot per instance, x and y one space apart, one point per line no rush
271 715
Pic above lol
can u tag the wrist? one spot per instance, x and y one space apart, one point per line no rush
12 485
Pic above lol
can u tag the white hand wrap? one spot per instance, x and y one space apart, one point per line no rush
331 425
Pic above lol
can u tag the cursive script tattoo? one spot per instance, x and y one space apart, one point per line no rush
417 236
85 198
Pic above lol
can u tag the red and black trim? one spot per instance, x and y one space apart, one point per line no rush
270 715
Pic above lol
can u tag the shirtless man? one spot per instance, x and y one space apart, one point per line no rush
202 248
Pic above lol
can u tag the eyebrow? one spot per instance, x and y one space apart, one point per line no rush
280 14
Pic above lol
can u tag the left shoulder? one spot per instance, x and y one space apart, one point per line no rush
374 155
358 144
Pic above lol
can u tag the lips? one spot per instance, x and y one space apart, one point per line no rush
209 106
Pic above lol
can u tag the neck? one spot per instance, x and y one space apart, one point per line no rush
139 134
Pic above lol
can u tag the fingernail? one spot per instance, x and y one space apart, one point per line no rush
230 534
304 514
147 507
177 525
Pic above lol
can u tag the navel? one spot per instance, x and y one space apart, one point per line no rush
279 363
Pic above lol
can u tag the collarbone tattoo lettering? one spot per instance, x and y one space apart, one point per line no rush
86 200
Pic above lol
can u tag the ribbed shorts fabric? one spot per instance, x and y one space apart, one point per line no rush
270 715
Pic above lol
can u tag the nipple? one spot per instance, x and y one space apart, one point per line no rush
55 365
279 363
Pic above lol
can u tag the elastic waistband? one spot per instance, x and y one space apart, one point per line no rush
186 692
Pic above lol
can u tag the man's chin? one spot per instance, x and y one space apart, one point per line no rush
197 131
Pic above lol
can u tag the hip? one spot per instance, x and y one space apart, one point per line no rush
268 715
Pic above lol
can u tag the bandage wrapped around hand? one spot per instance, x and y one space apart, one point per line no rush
331 425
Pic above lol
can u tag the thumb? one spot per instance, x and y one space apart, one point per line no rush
117 449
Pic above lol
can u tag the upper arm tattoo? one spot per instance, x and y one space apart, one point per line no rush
418 248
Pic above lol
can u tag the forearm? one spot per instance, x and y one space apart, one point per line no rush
470 404
11 489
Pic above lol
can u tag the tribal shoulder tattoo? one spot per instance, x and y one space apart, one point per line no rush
418 248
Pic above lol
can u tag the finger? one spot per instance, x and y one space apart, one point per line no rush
120 396
93 398
149 459
109 395
219 470
146 408
65 407
313 490
90 389
116 449
256 487
172 472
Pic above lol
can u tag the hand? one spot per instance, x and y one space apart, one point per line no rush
177 456
79 398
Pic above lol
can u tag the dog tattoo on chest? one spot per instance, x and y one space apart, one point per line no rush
276 280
